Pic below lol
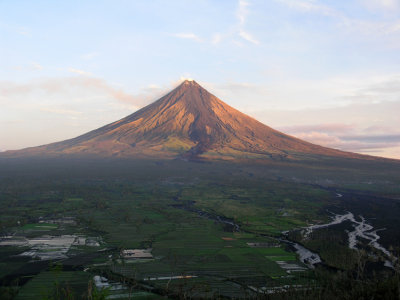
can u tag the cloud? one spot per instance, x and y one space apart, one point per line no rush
61 111
388 85
376 90
242 13
36 66
370 28
382 129
326 128
386 138
331 92
346 137
239 87
71 86
248 37
385 5
188 36
89 56
351 143
364 127
184 78
216 39
80 72
367 27
237 91
151 88
300 94
320 138
311 7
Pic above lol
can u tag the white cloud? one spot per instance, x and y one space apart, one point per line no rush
80 72
242 14
385 5
189 36
357 144
301 94
216 39
40 90
90 55
325 127
36 66
61 111
311 6
378 140
153 86
248 37
367 27
184 78
32 66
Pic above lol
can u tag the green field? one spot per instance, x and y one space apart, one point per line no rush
40 226
173 210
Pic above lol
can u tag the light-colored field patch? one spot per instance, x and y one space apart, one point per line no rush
290 266
117 290
14 241
170 277
48 247
40 226
282 258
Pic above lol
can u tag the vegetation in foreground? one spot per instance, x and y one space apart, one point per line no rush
138 207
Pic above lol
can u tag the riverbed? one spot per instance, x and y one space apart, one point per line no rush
362 230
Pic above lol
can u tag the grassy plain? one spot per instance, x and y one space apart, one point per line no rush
140 204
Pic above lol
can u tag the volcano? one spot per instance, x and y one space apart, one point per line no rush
188 123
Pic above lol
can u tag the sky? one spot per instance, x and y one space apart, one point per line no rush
327 71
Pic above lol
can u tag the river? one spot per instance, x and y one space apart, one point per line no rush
362 230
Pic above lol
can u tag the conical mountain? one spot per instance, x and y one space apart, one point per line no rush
189 122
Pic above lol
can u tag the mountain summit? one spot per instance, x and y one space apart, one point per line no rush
188 122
